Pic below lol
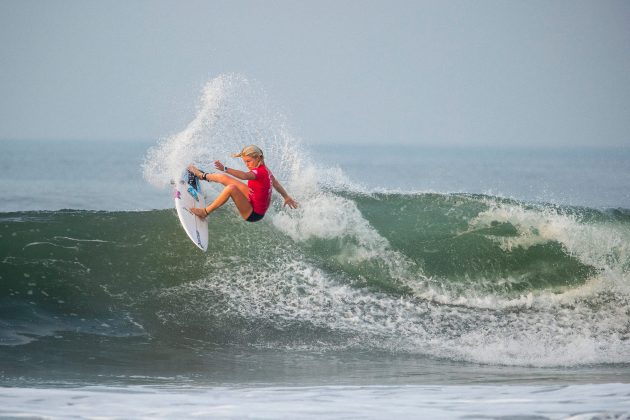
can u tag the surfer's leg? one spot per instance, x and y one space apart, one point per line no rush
228 180
240 199
230 191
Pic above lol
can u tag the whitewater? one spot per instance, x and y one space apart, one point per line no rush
377 288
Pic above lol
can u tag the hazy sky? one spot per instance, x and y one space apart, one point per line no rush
422 72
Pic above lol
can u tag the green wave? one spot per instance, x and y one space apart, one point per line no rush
382 277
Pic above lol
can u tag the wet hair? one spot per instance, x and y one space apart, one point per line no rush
251 151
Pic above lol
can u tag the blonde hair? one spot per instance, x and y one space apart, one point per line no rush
251 151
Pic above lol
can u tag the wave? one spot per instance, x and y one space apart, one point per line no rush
465 277
458 276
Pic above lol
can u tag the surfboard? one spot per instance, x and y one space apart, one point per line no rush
187 194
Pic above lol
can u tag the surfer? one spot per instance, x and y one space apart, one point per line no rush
252 199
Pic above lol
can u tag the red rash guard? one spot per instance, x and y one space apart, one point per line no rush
260 189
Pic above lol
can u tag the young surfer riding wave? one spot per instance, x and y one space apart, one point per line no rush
252 199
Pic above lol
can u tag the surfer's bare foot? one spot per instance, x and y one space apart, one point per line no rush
199 212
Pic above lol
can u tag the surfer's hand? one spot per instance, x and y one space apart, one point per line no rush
219 165
288 201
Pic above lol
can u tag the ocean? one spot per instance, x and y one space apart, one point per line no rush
412 281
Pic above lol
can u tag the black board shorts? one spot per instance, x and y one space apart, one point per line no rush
254 217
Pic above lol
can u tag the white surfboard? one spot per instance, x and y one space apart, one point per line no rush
188 194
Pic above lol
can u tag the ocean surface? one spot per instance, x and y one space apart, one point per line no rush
412 282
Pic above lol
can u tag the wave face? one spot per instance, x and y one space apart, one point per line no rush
463 277
455 276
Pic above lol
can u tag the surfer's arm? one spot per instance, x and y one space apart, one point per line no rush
245 176
287 198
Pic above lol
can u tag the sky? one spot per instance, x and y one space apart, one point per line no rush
516 73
